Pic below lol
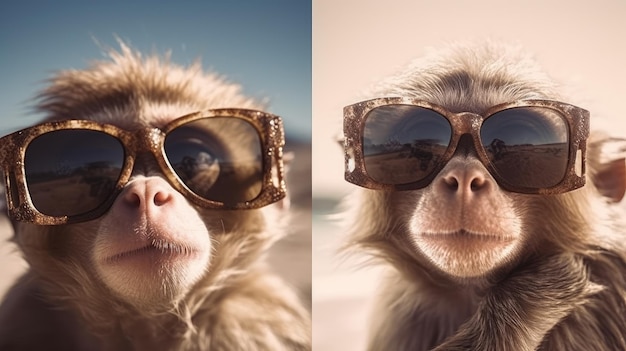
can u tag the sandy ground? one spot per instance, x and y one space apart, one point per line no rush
343 290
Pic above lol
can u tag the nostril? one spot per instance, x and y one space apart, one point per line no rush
132 198
161 198
478 183
452 183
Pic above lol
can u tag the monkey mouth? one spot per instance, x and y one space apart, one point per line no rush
466 240
466 254
151 259
155 250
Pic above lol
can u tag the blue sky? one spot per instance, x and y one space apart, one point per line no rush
263 45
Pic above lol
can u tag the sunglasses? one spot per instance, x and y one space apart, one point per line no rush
72 171
528 146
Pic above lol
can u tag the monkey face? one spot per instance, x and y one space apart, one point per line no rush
462 172
143 205
458 223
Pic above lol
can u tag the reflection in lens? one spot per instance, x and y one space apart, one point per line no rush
528 146
218 158
71 172
403 143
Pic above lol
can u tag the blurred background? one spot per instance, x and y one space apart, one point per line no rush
263 46
357 43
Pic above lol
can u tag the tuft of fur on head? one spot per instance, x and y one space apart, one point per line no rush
129 85
491 72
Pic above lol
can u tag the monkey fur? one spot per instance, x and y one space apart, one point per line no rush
236 303
563 288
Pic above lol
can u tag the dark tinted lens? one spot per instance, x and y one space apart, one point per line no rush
528 146
218 158
71 172
403 143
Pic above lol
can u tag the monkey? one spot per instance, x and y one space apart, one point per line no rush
479 255
154 264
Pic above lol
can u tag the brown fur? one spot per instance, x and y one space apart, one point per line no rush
563 289
238 304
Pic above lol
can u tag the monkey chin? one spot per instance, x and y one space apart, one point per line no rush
466 255
152 264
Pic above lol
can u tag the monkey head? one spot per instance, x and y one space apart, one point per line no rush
462 156
146 179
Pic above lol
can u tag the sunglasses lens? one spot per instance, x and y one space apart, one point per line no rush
218 158
403 143
527 146
71 172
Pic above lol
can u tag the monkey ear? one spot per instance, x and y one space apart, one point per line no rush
607 160
340 139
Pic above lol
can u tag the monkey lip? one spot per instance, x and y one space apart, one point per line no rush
464 239
155 250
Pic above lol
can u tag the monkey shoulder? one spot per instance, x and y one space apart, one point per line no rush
28 322
433 315
574 302
600 322
260 312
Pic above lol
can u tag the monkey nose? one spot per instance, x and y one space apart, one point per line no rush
464 178
144 193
